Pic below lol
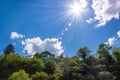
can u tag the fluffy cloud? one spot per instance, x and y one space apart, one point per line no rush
34 45
15 35
111 41
105 10
118 34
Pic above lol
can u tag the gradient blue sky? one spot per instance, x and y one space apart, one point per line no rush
48 19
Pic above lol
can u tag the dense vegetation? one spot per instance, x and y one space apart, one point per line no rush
44 66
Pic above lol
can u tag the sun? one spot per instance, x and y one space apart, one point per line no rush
76 8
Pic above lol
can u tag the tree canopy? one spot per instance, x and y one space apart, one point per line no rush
45 66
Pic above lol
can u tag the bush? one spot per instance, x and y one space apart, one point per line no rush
21 75
40 76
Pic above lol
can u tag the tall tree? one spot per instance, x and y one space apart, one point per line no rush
83 52
103 50
9 49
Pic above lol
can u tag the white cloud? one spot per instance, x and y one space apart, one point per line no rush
111 41
118 34
34 45
90 21
105 11
15 35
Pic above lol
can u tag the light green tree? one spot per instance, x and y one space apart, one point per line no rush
21 75
40 76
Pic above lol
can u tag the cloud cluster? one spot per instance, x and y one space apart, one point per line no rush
15 35
112 41
34 45
105 11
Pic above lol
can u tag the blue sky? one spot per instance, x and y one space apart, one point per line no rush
39 25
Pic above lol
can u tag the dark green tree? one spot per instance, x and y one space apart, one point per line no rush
37 55
9 64
116 67
31 65
116 53
103 50
50 66
83 52
9 49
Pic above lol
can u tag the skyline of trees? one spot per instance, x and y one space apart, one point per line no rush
82 66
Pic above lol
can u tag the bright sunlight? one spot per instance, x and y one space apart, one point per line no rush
77 8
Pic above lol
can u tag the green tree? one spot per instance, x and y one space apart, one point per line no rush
103 50
37 55
9 64
2 57
116 53
115 69
50 66
104 54
31 65
57 74
83 52
40 76
9 49
21 75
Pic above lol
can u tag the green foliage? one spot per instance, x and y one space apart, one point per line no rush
1 57
31 65
88 76
45 66
9 64
105 75
103 50
50 66
12 59
40 76
21 75
37 55
57 74
116 53
83 52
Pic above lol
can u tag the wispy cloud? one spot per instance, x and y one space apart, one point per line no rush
105 11
118 34
113 40
15 35
34 45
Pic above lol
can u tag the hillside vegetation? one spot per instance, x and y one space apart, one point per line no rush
104 65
